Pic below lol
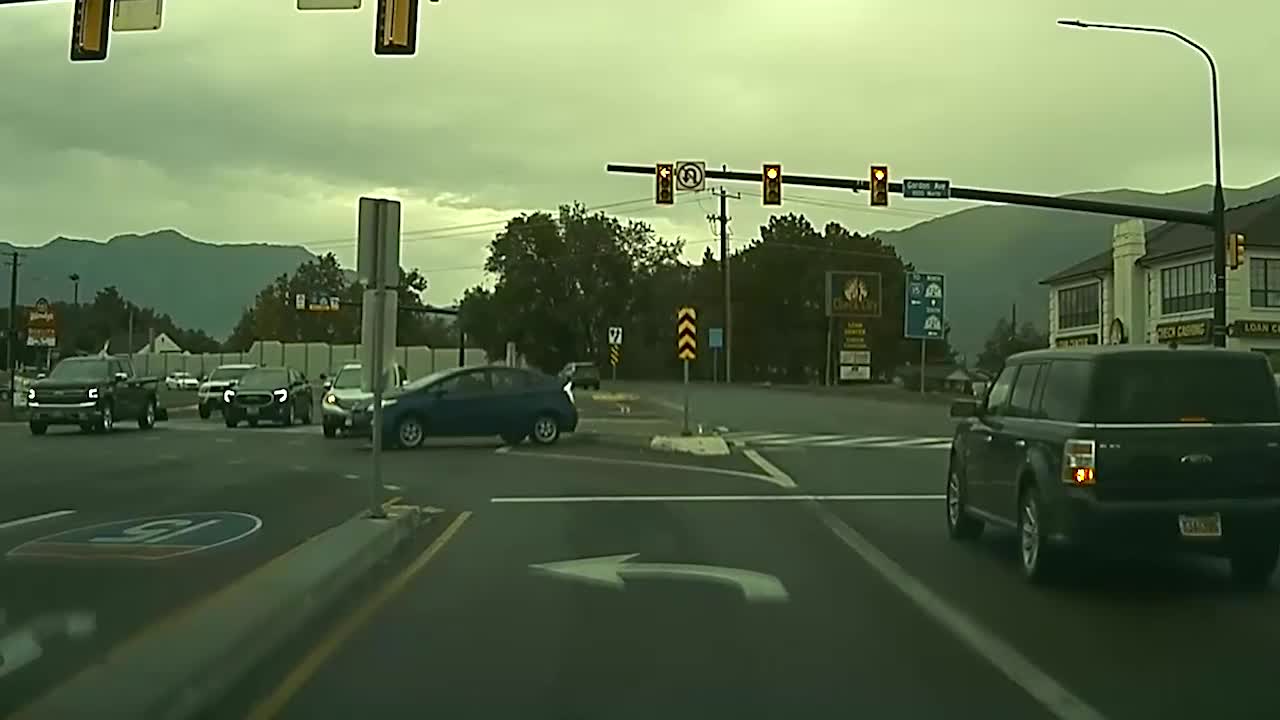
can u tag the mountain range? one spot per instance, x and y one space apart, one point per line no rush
200 285
993 257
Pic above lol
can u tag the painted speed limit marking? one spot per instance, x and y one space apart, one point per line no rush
154 538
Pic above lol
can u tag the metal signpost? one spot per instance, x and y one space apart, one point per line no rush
715 339
686 350
378 266
925 310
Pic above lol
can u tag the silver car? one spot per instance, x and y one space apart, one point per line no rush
343 395
211 391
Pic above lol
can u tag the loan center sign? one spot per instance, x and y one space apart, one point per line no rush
1256 328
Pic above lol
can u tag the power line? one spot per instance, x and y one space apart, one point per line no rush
468 230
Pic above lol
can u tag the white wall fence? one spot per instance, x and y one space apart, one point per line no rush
311 359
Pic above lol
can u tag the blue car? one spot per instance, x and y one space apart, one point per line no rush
512 403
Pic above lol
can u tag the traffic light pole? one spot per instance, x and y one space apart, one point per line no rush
1146 212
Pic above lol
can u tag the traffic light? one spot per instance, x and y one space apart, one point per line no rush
90 29
664 183
1235 250
395 31
879 185
772 180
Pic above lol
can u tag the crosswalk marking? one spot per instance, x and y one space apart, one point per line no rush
824 440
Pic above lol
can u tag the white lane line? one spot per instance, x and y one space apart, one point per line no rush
918 442
34 518
645 463
236 461
392 488
1004 657
551 499
300 468
759 437
855 441
352 476
1018 668
1015 666
223 440
778 477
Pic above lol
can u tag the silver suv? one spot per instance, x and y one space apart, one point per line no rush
343 394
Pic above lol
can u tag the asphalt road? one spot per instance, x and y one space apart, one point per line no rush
740 597
799 580
239 498
480 632
776 410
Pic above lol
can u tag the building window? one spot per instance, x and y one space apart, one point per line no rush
1079 306
1264 282
1186 288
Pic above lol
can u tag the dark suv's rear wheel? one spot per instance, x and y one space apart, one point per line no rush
1036 557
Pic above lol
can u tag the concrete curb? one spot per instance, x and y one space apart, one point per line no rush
182 666
693 444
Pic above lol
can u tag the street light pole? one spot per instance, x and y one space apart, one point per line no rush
1219 198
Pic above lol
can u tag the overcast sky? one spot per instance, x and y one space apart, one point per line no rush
248 121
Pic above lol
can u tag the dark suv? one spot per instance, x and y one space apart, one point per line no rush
1124 447
583 374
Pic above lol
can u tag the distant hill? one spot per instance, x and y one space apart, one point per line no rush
995 256
200 285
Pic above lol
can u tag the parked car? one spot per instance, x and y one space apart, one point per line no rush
343 396
512 403
273 394
1125 448
583 374
93 392
181 381
212 392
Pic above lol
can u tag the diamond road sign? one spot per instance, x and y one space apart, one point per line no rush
926 306
929 189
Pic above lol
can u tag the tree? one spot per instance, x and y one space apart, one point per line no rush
274 314
1003 342
561 281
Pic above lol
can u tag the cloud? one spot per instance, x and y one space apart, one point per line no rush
245 120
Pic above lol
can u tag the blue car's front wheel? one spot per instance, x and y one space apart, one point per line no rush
410 432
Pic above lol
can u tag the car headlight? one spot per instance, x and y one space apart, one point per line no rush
330 399
281 395
93 393
31 394
227 395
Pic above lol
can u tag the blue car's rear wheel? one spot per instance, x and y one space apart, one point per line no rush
410 432
546 430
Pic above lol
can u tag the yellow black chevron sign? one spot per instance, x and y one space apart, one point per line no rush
614 355
687 333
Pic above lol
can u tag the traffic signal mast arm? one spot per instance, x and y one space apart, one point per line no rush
1145 212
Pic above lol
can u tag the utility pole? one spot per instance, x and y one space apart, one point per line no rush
13 330
725 276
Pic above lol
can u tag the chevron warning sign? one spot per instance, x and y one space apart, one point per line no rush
614 355
687 333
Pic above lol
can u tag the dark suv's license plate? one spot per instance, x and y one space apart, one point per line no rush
1200 525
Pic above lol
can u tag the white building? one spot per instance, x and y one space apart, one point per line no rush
1157 287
